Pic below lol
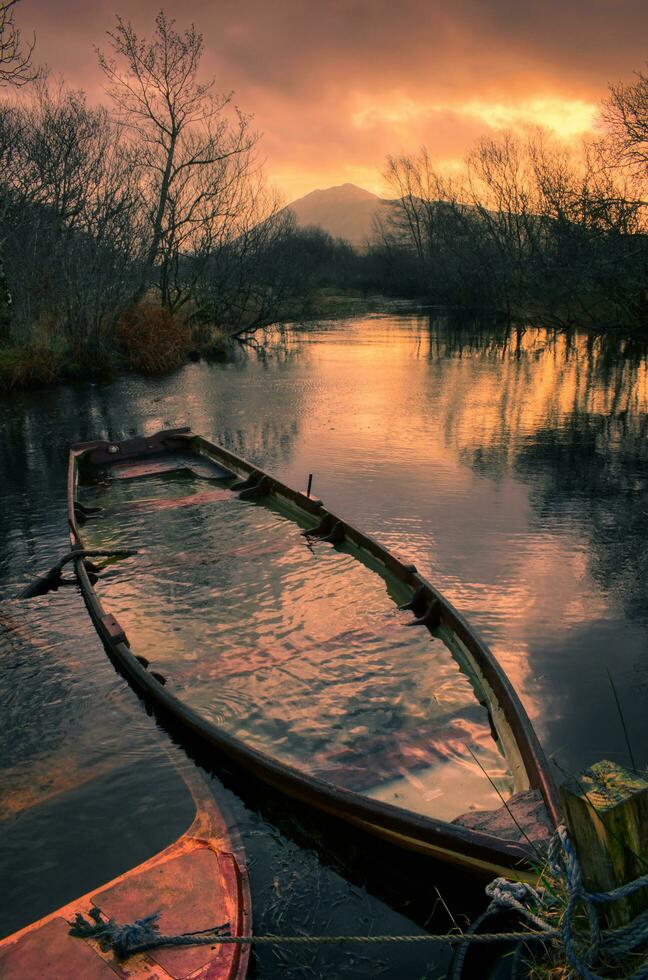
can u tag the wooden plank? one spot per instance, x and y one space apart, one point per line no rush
606 809
49 952
188 891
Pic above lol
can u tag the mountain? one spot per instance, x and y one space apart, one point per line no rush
345 211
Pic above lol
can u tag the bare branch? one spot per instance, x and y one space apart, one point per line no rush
191 147
15 54
626 115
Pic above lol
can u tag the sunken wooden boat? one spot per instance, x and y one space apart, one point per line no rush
507 837
196 883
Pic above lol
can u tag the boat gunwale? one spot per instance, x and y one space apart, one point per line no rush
451 841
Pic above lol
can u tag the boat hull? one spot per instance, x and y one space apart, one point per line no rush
449 842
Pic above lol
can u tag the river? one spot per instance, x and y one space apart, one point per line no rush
510 465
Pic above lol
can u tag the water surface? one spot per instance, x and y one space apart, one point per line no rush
511 467
294 647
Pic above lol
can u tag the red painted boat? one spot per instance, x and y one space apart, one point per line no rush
197 882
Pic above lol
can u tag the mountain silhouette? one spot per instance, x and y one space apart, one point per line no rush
345 211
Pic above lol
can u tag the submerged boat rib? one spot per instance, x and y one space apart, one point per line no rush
480 840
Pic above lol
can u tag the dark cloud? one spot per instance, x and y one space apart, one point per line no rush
327 80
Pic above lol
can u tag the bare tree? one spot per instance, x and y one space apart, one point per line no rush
531 228
15 69
74 215
626 114
433 218
15 55
191 146
249 269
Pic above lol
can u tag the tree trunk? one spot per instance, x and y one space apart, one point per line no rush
156 238
6 304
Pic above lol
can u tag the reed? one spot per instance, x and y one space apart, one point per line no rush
152 339
30 366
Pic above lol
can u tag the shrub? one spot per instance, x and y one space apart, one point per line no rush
209 341
30 366
152 339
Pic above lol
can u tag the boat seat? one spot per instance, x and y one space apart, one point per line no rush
524 817
202 467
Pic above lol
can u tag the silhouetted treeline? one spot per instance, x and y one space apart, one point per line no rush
531 228
146 219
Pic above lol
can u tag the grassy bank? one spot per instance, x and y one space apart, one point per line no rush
149 341
327 304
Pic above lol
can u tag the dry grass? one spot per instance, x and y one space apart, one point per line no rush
209 341
152 339
30 366
148 339
549 962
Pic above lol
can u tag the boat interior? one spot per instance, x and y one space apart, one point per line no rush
299 647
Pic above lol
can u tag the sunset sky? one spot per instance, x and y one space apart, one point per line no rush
335 85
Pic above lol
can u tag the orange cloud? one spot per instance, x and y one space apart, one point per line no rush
335 86
566 117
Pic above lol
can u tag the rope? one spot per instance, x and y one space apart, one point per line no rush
138 936
143 935
614 943
446 937
507 895
523 899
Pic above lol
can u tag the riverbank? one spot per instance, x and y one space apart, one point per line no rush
149 342
154 343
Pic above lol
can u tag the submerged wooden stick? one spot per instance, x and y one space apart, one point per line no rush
51 580
606 810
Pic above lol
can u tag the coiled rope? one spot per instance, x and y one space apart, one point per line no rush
581 950
614 943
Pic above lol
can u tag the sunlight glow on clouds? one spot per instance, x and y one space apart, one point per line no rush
566 117
336 86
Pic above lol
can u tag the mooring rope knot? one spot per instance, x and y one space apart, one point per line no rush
581 950
140 935
520 896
